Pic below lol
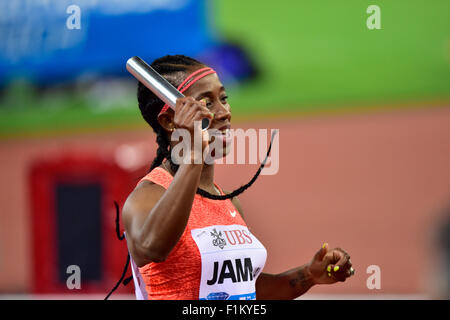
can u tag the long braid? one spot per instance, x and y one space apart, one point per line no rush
174 69
238 191
163 149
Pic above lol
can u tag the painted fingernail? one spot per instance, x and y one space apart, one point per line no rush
336 268
329 269
329 274
324 245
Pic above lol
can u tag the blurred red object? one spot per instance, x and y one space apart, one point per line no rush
73 221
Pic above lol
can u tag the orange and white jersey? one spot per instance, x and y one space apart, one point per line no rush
217 257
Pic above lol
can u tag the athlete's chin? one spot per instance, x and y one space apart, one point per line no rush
215 155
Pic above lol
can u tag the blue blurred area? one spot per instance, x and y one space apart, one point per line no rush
37 44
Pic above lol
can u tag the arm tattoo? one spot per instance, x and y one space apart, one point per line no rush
302 281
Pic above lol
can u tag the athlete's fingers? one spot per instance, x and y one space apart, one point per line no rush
182 112
197 110
343 259
189 110
340 266
321 253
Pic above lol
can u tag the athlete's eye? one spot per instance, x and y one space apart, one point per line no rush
224 99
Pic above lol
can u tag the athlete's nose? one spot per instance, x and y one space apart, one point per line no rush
223 112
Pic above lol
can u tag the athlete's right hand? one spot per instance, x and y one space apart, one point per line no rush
188 115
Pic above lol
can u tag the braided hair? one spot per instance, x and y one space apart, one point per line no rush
174 68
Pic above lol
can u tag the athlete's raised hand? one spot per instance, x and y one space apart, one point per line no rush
188 115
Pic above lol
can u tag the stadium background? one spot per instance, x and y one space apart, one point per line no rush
363 117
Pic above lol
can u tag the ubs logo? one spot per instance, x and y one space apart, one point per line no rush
218 240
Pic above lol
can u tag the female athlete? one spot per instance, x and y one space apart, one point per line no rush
186 236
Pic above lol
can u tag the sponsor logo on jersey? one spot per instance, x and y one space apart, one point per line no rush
218 241
237 236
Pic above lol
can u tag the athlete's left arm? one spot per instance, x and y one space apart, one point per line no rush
326 267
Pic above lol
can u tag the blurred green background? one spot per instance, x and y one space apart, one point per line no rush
313 56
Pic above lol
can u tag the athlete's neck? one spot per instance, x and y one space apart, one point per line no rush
207 178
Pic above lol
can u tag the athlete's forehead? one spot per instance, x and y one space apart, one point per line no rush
208 84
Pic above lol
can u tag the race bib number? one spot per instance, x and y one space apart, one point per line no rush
232 258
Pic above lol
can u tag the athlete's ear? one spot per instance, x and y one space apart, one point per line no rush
165 119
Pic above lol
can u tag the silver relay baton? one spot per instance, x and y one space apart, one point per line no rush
157 84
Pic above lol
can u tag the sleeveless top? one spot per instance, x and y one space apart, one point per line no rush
216 258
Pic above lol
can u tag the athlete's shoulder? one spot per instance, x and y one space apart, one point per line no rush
142 199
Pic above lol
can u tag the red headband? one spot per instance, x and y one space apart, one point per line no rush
206 71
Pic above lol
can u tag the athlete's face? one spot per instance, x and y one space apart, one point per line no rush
213 92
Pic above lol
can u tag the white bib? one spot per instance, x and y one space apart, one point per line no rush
232 258
139 284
